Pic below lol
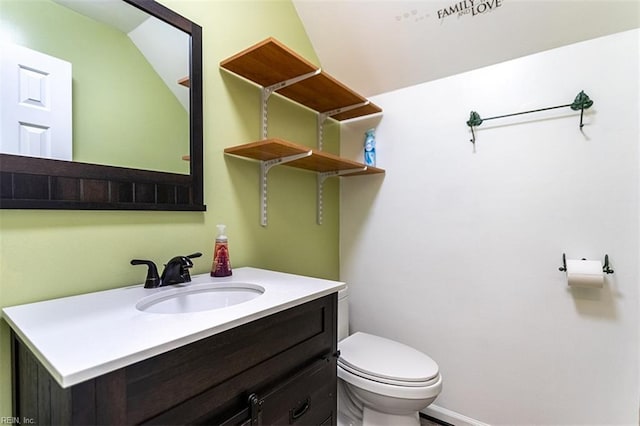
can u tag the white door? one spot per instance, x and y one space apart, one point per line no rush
35 104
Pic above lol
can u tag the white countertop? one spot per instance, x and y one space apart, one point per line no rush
81 337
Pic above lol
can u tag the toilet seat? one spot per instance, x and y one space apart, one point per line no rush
387 367
386 361
385 380
393 391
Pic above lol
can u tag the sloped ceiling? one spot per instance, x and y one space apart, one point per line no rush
165 47
377 46
115 13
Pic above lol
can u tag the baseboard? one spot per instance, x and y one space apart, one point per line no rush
451 417
433 420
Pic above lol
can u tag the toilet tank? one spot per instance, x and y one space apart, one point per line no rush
343 314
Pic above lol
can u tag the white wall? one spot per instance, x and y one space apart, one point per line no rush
158 41
457 252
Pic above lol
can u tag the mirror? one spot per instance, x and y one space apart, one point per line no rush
127 152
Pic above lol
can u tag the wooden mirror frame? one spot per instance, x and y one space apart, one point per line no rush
39 183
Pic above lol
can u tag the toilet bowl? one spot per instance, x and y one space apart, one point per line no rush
381 382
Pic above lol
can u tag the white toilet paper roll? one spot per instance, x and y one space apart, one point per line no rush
585 273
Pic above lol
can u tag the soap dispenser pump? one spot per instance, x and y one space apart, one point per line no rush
221 264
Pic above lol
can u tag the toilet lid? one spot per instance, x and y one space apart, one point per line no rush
385 359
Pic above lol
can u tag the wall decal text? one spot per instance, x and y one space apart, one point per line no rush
469 7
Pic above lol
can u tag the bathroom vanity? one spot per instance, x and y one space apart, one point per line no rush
269 360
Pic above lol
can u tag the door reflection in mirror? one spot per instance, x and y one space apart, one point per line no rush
36 104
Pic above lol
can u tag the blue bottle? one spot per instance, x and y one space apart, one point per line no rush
370 148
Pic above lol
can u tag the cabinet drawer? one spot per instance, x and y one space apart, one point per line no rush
308 397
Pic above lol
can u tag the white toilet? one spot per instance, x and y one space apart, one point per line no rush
381 382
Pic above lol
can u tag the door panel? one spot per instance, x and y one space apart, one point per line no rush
36 104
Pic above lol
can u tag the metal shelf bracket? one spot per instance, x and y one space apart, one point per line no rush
322 117
321 178
268 91
265 166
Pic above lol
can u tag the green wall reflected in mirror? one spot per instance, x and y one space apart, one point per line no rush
124 113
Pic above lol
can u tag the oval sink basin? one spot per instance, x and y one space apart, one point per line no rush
199 297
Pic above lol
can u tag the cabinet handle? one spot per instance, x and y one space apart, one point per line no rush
255 410
296 413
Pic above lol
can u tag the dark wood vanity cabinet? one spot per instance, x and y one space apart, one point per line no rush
277 370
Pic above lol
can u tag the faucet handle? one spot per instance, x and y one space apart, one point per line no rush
177 269
186 264
153 279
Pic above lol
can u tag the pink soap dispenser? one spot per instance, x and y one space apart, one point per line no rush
221 264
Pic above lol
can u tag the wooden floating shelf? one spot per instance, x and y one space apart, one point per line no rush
277 69
318 161
184 81
270 62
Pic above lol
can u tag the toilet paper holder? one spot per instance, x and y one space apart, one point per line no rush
605 267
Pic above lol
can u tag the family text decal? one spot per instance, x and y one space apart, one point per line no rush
469 7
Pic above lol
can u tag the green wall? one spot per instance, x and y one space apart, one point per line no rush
48 254
114 88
